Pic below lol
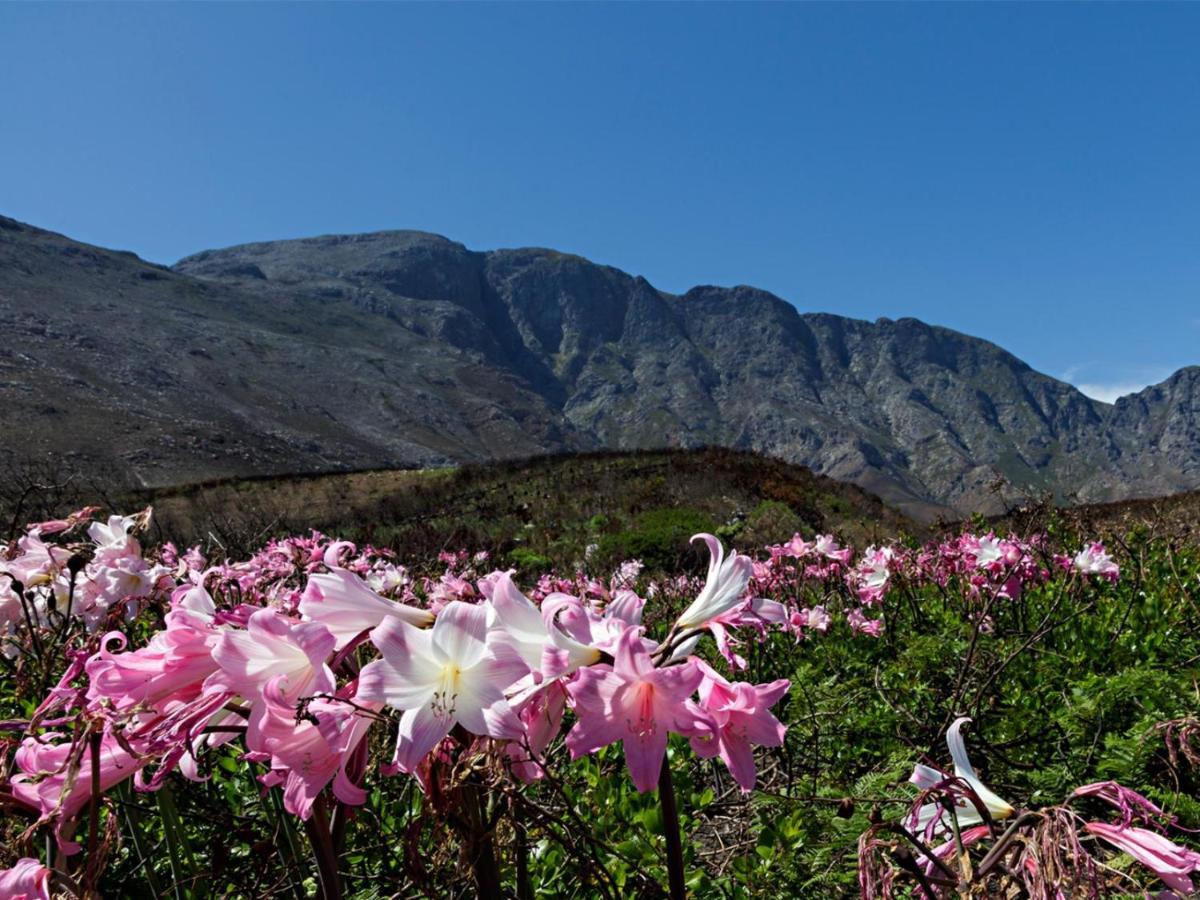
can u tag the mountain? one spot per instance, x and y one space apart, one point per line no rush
403 348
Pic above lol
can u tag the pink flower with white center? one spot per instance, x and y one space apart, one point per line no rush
742 716
38 560
817 618
637 704
797 547
1168 860
455 673
270 646
27 880
723 589
343 603
827 546
1094 560
872 574
546 649
988 552
113 540
388 579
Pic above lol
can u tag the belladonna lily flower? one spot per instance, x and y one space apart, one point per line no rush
633 702
546 649
27 880
56 777
1169 861
270 646
742 715
313 755
987 552
343 603
1094 560
933 817
454 673
724 587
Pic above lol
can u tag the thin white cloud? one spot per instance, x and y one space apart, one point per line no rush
1124 381
1108 393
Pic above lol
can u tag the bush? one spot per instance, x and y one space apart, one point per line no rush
659 538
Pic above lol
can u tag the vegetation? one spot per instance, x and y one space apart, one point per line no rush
1067 681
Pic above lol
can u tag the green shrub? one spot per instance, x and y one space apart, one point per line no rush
659 538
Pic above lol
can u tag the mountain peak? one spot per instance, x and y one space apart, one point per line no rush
407 348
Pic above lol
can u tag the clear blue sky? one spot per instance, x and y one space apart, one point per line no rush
1030 174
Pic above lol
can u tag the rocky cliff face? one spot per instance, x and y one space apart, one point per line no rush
404 348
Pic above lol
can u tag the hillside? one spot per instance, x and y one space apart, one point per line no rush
548 509
405 349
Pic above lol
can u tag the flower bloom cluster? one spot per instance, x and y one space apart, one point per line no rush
302 649
299 651
43 582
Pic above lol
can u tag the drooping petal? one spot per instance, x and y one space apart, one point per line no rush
644 754
420 731
343 603
996 807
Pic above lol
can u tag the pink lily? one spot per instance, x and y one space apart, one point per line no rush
742 716
723 589
1095 560
56 778
637 704
346 605
312 755
272 645
27 880
171 668
1168 860
546 649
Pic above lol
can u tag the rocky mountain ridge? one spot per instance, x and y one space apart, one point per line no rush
407 349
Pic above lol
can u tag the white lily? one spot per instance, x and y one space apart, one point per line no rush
989 552
454 673
934 816
723 589
547 651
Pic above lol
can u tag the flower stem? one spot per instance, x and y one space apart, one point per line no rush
317 826
670 815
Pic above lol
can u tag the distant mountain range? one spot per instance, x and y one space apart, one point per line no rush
400 349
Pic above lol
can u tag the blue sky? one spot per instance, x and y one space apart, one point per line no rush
1029 174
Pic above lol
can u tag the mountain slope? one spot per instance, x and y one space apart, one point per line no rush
140 371
407 349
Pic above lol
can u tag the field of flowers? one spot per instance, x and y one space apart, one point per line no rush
326 719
